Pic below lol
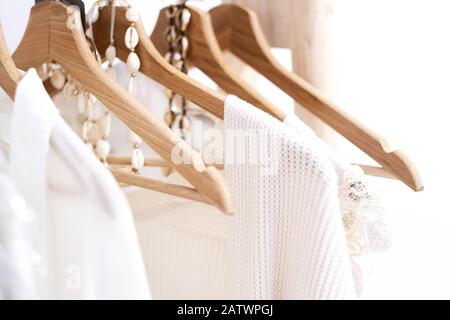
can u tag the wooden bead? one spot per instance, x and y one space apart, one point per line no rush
185 123
169 117
169 93
131 38
167 171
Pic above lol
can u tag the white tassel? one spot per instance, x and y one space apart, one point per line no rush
105 125
130 87
137 160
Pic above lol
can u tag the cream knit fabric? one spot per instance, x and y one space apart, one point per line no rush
286 237
184 246
363 214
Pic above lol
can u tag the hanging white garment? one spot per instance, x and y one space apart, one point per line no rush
184 245
362 213
286 235
83 226
183 242
17 252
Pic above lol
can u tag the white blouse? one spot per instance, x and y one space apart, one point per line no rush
82 225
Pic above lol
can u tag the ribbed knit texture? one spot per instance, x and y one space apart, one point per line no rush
184 246
286 237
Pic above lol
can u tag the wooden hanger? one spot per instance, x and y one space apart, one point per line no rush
54 33
153 64
9 75
204 53
237 29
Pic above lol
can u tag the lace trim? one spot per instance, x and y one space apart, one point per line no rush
363 217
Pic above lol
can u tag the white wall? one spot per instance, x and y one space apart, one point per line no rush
14 14
392 67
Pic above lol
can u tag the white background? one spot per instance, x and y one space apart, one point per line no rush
391 62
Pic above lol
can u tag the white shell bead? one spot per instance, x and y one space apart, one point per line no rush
137 159
167 56
102 149
131 38
111 53
177 56
89 33
92 99
178 64
81 103
133 62
94 14
185 19
87 111
58 80
105 125
184 46
94 133
68 89
87 125
95 112
132 15
134 139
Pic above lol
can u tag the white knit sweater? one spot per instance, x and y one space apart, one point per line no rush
286 236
